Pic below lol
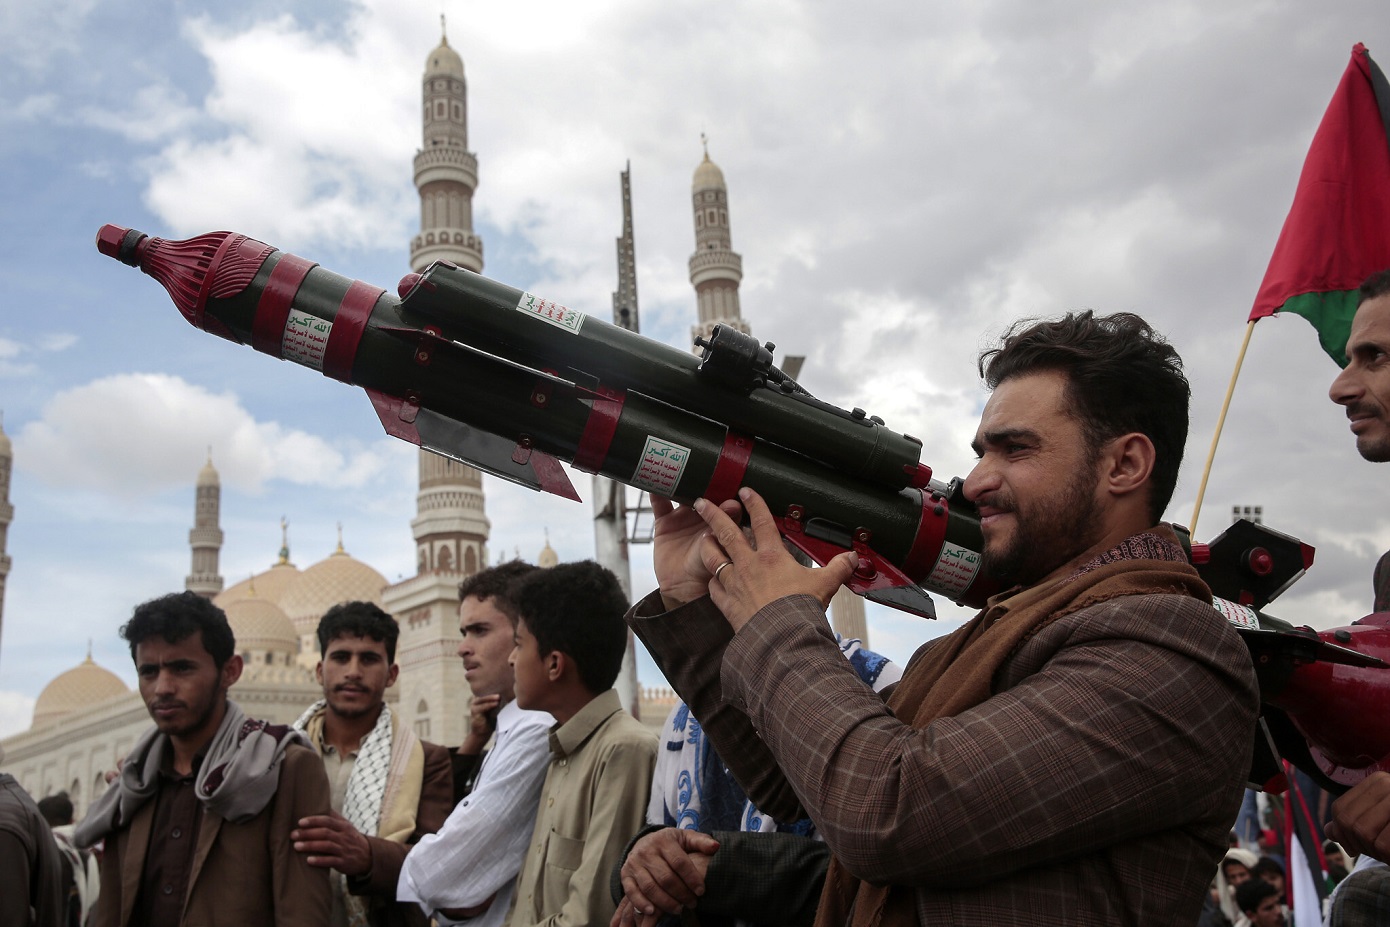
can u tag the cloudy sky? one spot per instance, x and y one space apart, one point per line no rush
904 179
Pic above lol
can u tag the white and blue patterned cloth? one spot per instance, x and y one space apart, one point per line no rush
694 790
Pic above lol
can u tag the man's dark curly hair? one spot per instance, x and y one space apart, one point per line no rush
577 609
1251 893
1122 377
360 619
176 617
495 583
1377 284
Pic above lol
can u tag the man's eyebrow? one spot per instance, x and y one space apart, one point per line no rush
1002 436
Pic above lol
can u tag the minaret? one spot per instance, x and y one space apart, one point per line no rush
6 514
715 270
625 296
446 172
450 528
206 537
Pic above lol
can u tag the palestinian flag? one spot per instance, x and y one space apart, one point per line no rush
1338 231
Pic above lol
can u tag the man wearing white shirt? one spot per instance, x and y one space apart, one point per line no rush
467 871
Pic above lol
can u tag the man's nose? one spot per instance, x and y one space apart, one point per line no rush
982 478
1346 388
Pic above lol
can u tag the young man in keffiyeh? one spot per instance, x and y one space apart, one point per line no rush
389 788
197 825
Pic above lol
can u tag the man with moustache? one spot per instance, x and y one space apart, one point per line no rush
388 787
1361 817
468 870
1074 755
197 824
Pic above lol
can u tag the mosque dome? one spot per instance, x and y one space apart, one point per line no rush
260 625
208 475
269 586
444 60
547 557
83 686
708 176
337 578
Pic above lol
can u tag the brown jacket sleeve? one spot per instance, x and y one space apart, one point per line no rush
302 892
436 801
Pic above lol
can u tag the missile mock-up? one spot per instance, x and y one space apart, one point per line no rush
514 384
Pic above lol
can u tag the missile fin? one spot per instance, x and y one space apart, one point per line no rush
876 578
491 453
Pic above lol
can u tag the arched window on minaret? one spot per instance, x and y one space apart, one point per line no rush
422 719
470 561
446 559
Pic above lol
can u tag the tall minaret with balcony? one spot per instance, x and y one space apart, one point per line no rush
6 515
715 270
450 527
205 538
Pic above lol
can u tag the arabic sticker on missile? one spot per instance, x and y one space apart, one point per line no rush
954 571
661 466
570 320
305 339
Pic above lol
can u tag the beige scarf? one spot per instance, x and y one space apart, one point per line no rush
383 793
958 674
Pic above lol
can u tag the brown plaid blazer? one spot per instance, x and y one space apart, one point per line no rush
1097 786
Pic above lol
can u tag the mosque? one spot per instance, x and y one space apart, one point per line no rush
86 718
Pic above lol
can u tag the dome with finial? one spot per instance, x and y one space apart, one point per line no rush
84 686
547 558
708 176
208 475
270 585
335 579
444 60
259 625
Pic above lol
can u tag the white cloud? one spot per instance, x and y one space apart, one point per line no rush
16 712
156 112
134 434
16 356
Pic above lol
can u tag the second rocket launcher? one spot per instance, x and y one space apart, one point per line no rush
512 384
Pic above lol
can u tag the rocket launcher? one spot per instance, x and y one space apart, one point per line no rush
513 384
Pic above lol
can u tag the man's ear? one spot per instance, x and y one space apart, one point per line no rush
392 674
318 672
556 664
1127 463
231 671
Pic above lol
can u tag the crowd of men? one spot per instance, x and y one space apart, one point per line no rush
1076 754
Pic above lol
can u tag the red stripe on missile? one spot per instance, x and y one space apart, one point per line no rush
349 323
931 536
268 326
599 429
729 470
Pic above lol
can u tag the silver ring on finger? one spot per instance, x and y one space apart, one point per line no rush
720 569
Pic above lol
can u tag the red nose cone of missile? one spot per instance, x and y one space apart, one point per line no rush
407 284
120 243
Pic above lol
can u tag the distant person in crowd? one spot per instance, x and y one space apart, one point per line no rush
81 875
197 824
1361 817
1269 870
1336 860
693 791
1260 903
467 871
1074 754
388 787
1234 871
570 641
31 869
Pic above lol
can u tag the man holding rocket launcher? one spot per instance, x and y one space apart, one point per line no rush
1118 761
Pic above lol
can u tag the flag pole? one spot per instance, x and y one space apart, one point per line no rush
1220 423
